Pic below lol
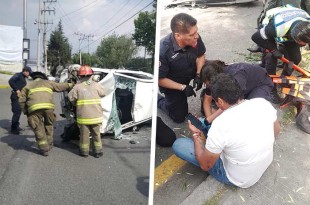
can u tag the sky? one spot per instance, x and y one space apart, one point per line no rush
93 18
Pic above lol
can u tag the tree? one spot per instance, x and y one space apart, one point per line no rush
115 51
87 59
59 49
145 30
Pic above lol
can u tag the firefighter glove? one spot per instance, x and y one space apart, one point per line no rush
189 91
197 82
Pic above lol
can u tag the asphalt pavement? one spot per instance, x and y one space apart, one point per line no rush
121 176
226 32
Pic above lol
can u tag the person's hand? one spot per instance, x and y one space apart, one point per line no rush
189 91
197 82
192 128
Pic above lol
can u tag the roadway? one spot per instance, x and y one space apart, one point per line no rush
121 176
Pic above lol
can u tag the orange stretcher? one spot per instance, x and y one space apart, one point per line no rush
299 85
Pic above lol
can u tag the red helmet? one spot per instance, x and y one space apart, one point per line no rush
85 70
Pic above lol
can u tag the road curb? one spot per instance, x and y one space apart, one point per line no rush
4 86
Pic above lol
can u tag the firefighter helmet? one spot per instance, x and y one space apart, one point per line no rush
36 75
85 70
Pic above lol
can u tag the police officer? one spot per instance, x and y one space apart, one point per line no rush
36 101
17 82
87 97
284 30
181 59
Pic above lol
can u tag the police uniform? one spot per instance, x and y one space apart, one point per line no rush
276 30
87 98
179 65
36 101
253 80
17 82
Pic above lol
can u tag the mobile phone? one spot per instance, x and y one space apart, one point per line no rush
196 122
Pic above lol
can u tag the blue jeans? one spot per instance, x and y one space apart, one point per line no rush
184 148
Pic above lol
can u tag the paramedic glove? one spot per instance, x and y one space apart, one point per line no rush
276 54
197 82
189 91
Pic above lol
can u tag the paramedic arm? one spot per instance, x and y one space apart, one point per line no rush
170 84
265 37
207 108
205 158
200 61
72 96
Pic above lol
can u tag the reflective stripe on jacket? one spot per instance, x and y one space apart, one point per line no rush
38 94
284 17
87 97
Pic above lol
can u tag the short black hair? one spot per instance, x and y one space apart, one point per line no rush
181 23
211 69
226 87
27 68
301 32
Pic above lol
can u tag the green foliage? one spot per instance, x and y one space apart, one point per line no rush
144 35
145 30
59 49
87 59
115 51
140 64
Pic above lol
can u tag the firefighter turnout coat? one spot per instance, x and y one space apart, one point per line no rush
89 113
36 101
87 98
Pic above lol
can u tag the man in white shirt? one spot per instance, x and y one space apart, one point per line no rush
239 145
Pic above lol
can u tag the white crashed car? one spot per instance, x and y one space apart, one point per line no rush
128 102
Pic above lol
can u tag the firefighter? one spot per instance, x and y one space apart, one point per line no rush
87 97
36 101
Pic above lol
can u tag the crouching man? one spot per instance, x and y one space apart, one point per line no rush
239 145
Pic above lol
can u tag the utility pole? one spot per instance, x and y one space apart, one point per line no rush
81 38
25 19
44 10
89 36
39 31
25 28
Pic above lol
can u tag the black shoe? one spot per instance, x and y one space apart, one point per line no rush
44 153
15 132
255 49
97 155
83 154
274 97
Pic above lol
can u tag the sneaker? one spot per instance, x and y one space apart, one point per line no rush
255 49
97 155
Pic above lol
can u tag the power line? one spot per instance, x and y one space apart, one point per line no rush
116 13
120 24
76 10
